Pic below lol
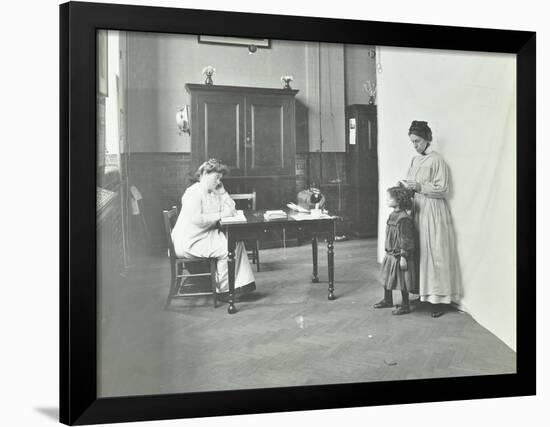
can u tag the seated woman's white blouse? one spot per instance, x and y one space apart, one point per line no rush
195 233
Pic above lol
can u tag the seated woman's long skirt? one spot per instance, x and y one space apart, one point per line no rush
215 246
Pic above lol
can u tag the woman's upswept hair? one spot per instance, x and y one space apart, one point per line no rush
421 129
211 165
403 196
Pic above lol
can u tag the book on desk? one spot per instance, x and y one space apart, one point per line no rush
238 217
275 214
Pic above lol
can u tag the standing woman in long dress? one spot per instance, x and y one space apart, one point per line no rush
195 234
438 270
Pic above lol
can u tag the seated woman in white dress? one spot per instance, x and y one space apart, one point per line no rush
195 234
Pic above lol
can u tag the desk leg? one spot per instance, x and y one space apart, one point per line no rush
231 273
315 275
330 252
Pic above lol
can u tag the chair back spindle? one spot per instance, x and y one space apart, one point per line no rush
246 196
170 217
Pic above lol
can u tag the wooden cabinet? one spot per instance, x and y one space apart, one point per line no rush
362 168
253 131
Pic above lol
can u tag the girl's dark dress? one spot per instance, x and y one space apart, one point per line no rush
399 242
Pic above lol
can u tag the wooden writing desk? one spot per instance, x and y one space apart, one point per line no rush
256 225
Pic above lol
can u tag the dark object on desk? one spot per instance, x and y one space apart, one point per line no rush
178 265
311 198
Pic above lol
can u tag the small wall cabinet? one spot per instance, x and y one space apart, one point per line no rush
362 168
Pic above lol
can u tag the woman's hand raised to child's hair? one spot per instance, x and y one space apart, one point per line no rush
403 264
412 185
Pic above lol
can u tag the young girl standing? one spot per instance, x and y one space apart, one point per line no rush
397 271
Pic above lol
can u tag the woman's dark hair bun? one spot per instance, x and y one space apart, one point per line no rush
421 128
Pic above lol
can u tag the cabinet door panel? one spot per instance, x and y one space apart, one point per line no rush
270 145
221 128
267 136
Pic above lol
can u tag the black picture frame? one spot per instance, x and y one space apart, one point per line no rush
79 22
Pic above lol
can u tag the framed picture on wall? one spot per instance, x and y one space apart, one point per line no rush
314 146
237 41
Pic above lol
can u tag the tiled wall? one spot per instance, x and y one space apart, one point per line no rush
161 179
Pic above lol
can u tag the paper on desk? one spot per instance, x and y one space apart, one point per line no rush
295 207
307 217
275 214
238 217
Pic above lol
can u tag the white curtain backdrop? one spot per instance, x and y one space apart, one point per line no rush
468 99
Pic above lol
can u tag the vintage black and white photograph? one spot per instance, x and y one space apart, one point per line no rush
280 213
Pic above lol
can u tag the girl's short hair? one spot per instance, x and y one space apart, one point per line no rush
211 166
421 129
403 196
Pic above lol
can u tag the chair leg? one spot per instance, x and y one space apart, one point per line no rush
167 303
257 256
173 285
213 263
171 292
252 252
178 281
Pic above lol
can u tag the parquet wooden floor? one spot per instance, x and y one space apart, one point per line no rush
286 333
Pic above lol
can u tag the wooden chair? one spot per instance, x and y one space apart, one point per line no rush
254 253
178 265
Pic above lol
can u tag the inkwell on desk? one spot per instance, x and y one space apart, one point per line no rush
313 201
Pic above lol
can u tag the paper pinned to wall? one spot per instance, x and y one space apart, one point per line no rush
182 120
135 196
352 134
